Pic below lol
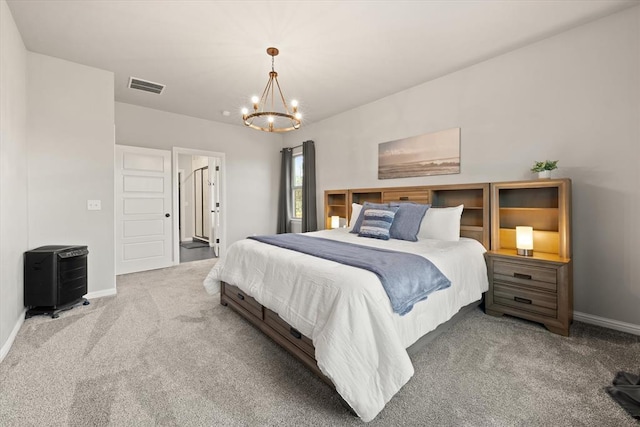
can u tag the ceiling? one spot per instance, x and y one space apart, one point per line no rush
334 55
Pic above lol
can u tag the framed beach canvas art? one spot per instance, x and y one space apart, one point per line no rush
436 153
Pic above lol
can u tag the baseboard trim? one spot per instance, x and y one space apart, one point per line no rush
100 294
14 333
606 323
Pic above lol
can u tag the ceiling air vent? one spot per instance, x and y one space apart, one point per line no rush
145 85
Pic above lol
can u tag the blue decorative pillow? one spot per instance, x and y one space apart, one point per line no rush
365 206
406 223
377 222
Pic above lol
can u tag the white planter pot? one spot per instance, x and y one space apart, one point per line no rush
544 174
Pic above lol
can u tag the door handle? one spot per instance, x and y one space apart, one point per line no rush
167 215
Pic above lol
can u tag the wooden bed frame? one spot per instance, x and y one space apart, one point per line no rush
474 224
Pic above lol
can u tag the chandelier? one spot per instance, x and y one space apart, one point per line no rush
265 115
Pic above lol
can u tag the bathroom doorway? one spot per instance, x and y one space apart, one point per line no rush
199 194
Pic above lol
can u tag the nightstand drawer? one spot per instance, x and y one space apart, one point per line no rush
244 300
526 275
527 300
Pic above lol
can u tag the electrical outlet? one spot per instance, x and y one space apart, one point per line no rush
94 205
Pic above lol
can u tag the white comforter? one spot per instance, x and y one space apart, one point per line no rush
360 342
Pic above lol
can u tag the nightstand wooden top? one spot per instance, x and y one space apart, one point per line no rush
538 256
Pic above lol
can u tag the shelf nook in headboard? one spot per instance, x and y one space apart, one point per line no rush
336 204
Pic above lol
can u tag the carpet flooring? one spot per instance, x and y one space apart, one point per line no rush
164 352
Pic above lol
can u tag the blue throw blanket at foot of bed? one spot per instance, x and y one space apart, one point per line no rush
407 278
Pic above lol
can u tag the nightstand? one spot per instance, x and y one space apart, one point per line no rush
537 288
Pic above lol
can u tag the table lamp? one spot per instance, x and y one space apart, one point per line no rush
335 221
524 240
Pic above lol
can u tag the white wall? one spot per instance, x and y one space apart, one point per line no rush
70 122
13 176
574 97
252 160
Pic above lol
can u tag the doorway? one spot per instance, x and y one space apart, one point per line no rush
200 229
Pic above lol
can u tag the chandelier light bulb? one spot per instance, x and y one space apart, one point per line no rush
294 103
255 99
298 116
271 119
245 111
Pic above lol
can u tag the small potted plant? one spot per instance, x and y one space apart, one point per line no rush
544 168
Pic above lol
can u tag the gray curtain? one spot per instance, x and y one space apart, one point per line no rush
284 196
309 211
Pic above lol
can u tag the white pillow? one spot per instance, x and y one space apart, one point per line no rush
441 224
355 213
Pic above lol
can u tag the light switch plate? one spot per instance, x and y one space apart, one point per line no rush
94 205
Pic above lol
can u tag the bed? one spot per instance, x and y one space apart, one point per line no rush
338 319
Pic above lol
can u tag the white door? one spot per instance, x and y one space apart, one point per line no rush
143 209
214 197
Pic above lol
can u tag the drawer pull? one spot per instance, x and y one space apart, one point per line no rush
522 276
240 296
522 300
404 198
295 333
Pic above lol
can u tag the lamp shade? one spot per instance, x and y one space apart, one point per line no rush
335 221
524 240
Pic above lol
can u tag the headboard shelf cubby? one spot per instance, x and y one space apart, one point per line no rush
336 203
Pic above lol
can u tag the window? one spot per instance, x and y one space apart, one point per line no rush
296 185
